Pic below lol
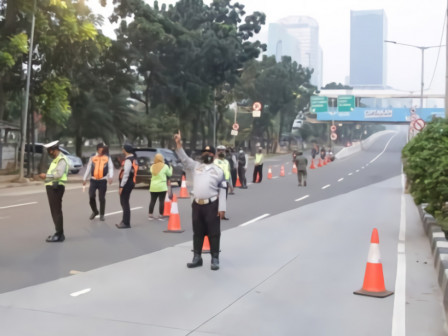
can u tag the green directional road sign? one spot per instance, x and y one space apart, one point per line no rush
346 103
319 104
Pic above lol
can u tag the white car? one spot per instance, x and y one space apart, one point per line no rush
75 163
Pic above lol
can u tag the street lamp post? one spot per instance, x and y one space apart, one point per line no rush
423 63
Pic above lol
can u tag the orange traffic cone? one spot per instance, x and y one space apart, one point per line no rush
238 183
206 245
320 163
167 206
183 189
374 278
269 173
294 168
174 220
312 166
282 170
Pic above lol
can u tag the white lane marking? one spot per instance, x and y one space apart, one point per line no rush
385 147
341 179
17 205
255 219
112 191
302 198
118 212
78 293
276 177
357 170
399 311
74 272
350 174
326 186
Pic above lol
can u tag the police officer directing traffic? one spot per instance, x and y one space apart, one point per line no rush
209 204
55 179
100 169
128 174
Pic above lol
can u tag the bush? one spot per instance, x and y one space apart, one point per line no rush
425 163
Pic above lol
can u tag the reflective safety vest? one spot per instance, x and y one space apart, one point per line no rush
100 166
225 166
52 169
132 173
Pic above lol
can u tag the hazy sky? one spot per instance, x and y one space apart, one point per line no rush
417 22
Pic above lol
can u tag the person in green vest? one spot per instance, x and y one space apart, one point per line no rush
258 168
55 179
160 172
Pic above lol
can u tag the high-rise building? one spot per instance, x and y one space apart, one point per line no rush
368 30
297 37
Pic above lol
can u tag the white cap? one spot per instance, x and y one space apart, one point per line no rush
221 147
51 144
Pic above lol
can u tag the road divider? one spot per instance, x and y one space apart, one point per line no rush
254 220
17 205
118 212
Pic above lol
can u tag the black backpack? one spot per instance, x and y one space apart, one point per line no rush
241 159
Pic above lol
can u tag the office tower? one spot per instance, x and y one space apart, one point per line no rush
297 37
368 30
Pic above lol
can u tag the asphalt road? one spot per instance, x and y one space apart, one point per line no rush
314 242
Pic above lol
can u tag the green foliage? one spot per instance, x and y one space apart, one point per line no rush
53 101
425 160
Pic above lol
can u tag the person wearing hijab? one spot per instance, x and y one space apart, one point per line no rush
160 172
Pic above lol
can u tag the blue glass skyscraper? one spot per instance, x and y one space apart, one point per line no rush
368 30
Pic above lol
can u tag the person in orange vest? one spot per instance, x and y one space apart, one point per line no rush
100 169
128 174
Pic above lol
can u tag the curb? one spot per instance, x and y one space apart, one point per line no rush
439 248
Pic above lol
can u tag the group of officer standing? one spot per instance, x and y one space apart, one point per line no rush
213 179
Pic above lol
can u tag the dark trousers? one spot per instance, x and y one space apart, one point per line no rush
258 170
55 200
242 176
301 175
101 185
233 174
206 222
124 201
161 196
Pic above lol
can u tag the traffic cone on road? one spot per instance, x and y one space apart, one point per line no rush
183 189
294 168
312 166
238 183
174 220
269 173
206 245
374 279
282 170
320 163
167 206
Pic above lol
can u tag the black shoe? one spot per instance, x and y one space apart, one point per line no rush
304 183
197 261
56 238
215 264
122 226
102 218
225 218
93 215
300 184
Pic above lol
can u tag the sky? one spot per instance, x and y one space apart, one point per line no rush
415 22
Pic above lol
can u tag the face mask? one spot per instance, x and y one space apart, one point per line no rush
221 155
207 159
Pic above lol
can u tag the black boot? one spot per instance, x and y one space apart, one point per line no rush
197 261
215 262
